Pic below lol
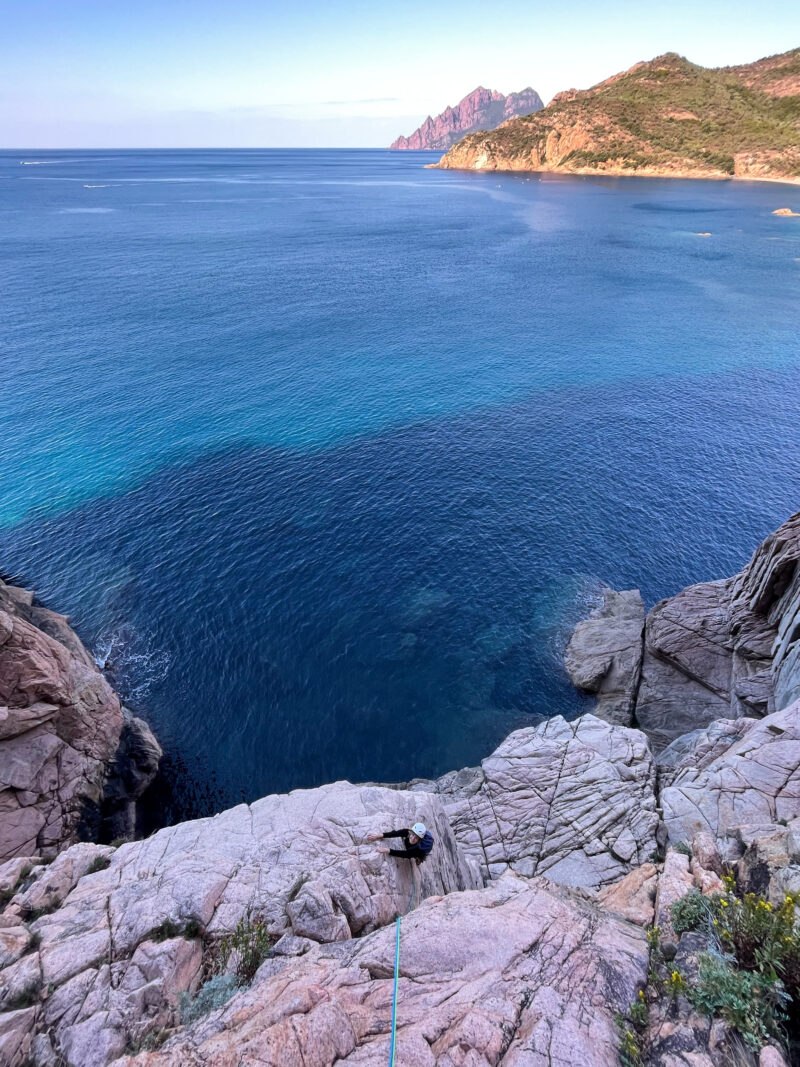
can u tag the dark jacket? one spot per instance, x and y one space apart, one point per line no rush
418 852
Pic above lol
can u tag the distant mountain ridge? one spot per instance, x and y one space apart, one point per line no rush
482 109
664 117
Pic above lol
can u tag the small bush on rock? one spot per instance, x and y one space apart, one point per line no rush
750 1002
191 929
751 976
690 911
216 992
166 930
638 1013
761 936
630 1049
99 863
250 942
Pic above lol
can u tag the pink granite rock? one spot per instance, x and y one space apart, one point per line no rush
755 782
574 801
518 972
633 898
298 863
60 728
482 109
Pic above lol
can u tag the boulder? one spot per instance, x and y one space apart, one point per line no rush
604 655
574 801
753 782
516 972
687 664
633 898
114 945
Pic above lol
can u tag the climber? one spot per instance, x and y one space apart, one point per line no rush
418 841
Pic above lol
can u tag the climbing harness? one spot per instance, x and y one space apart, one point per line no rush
397 962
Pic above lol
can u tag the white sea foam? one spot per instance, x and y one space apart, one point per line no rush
132 662
58 162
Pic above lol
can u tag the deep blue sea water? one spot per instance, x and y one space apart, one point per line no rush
325 452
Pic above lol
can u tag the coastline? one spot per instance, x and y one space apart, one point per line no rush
559 861
618 172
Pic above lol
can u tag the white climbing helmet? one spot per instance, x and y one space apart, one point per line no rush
419 829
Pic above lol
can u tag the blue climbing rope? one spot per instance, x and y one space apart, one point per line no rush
397 966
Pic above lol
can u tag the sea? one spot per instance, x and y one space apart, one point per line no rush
324 453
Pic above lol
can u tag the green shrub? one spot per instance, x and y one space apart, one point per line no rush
99 863
676 985
7 894
148 1041
24 997
191 929
251 941
166 930
216 992
682 847
32 914
760 936
690 911
748 1001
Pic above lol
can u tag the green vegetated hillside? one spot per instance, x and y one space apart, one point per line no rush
667 116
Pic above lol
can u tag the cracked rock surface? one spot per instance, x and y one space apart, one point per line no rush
518 972
755 781
101 954
574 801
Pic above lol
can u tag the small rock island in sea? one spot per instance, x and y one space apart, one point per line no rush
593 896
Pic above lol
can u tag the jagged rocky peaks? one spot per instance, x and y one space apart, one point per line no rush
482 109
663 117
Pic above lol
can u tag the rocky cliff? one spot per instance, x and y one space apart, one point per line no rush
664 117
573 909
70 756
717 650
482 109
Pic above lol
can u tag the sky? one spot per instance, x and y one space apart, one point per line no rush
341 73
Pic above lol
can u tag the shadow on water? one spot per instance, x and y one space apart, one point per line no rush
394 606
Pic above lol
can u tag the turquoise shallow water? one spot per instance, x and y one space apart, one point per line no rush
325 451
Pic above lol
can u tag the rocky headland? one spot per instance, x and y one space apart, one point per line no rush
666 117
482 109
585 901
73 761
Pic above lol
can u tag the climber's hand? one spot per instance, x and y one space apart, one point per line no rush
384 851
373 837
